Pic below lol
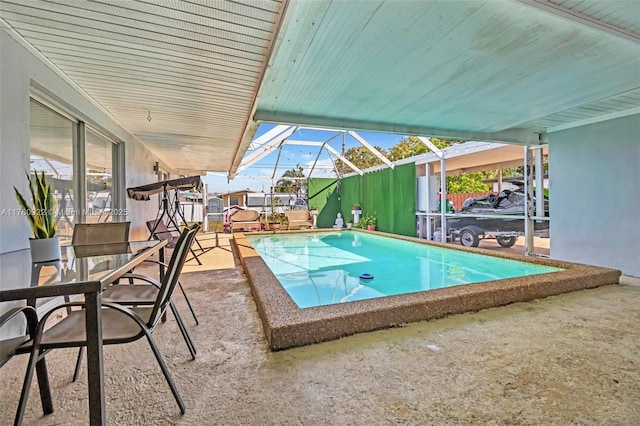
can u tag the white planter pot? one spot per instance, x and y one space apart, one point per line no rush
45 249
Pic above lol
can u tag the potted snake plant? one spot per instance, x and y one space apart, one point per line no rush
45 246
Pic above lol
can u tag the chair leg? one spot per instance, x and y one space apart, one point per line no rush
195 318
76 372
26 386
43 384
165 371
183 330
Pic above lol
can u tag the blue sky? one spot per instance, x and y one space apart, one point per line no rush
258 176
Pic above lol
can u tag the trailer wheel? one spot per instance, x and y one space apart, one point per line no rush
506 241
468 238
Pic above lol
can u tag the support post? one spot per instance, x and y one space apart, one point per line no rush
443 185
443 201
539 183
528 207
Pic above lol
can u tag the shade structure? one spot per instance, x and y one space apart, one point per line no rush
145 191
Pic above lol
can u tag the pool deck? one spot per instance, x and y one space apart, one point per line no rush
286 325
566 359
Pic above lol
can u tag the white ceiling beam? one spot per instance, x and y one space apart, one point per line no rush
271 134
437 151
323 129
263 151
305 143
335 167
579 18
343 159
460 170
370 147
275 168
513 136
316 161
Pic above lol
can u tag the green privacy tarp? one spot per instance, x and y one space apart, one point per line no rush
323 195
388 194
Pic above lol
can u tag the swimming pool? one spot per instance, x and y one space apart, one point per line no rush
287 325
324 268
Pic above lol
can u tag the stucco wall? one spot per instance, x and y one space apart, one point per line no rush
595 194
19 70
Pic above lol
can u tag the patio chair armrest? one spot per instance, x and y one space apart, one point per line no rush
142 278
126 311
41 324
29 312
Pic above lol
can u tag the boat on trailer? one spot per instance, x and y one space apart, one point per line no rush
503 219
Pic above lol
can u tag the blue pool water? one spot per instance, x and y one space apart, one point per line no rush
325 268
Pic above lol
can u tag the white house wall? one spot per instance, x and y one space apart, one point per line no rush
595 194
19 69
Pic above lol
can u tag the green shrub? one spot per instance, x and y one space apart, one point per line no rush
366 221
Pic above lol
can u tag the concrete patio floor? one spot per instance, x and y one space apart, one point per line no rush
568 359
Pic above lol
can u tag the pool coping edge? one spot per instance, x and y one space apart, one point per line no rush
286 325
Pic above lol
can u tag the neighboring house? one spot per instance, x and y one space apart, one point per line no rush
237 198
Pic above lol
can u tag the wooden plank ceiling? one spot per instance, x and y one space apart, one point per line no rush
487 70
208 72
192 67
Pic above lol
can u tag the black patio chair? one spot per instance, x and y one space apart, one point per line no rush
100 233
116 232
128 295
8 348
120 324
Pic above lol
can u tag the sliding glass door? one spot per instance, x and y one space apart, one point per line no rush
79 162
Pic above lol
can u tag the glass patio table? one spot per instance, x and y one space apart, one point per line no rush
87 270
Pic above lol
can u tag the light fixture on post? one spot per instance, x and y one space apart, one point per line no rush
156 167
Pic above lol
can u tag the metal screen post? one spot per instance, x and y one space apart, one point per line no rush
528 207
443 201
539 182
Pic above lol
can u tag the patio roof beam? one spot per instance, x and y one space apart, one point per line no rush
334 166
304 143
343 159
264 150
370 147
513 136
312 143
437 151
273 175
271 134
316 160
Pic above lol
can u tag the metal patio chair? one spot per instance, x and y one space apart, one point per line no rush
120 324
8 348
116 232
128 295
100 233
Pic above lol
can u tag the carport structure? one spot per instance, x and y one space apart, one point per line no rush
187 83
473 157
